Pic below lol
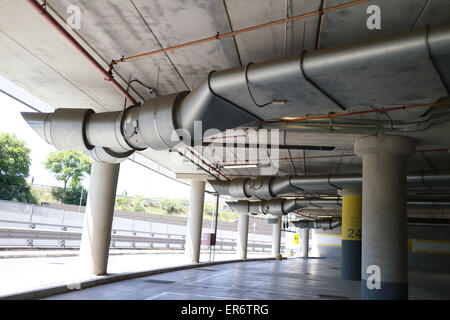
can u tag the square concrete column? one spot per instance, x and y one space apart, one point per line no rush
276 238
195 220
242 238
98 217
384 265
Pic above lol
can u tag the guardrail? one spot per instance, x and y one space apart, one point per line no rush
28 225
119 237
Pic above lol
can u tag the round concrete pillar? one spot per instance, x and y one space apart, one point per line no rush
242 235
351 234
305 243
98 217
384 264
195 220
276 237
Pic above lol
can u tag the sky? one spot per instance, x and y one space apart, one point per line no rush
133 178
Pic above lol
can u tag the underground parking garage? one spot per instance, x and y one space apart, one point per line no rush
327 120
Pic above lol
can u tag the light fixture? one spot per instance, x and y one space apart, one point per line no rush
279 102
290 118
240 166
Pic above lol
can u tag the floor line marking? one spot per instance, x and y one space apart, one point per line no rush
156 296
202 295
213 276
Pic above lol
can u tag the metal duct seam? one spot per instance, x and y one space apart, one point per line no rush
68 129
157 121
259 187
352 73
324 224
438 40
106 155
128 127
280 79
237 189
214 111
102 130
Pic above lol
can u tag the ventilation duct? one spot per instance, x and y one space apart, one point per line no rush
280 207
324 224
380 72
270 187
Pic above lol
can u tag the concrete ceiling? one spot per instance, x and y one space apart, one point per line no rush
36 57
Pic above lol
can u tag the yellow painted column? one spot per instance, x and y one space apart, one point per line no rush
351 234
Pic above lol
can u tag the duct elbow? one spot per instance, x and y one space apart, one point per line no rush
40 123
65 128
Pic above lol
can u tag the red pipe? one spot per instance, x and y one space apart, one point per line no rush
108 75
211 167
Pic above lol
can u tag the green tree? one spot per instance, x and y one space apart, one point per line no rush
171 207
138 204
68 165
14 169
123 202
208 209
72 195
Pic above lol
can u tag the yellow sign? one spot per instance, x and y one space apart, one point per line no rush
296 238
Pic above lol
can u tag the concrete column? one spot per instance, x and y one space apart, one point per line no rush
276 237
384 265
351 234
305 243
195 220
242 235
98 217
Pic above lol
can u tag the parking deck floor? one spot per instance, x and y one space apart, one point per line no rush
295 278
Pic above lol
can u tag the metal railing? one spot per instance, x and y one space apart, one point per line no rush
120 238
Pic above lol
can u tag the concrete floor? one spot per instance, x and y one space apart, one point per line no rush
296 279
30 270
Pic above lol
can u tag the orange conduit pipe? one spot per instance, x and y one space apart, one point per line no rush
208 165
107 74
234 33
335 115
317 157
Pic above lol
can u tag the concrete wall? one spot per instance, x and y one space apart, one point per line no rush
262 227
428 246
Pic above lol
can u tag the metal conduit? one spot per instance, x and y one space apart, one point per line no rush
305 84
270 187
281 207
324 224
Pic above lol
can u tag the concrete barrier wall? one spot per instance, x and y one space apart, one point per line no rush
54 216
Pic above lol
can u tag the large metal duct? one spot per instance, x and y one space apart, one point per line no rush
280 207
270 187
324 224
408 68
